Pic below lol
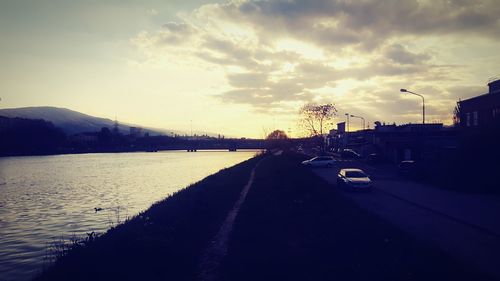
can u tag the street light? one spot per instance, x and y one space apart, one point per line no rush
423 103
347 115
360 118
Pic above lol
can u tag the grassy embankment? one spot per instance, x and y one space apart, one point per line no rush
164 242
293 226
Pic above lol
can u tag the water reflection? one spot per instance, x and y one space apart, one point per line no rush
42 198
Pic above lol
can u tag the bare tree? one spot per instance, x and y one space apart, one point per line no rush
315 116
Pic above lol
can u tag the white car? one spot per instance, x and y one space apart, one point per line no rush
354 179
320 161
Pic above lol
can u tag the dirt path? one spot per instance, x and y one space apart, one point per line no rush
212 257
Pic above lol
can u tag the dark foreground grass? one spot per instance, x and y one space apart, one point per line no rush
163 243
294 226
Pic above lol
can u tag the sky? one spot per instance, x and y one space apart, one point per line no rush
243 68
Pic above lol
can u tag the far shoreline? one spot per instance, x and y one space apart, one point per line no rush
129 151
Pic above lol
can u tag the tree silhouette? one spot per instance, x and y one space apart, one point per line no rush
277 135
315 116
277 139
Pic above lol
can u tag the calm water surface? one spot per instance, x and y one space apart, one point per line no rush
45 197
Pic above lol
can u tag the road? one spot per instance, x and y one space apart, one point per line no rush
465 225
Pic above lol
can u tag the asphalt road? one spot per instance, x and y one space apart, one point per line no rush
465 225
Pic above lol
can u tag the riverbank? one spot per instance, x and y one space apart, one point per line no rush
161 242
292 226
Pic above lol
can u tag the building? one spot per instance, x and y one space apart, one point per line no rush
86 138
421 142
482 111
135 132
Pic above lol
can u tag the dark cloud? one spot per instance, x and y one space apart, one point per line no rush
365 23
399 54
173 33
262 94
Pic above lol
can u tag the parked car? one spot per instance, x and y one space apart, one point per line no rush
349 153
408 168
320 161
374 158
354 179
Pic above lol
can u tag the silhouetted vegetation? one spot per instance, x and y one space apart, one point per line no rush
36 137
277 140
20 136
314 117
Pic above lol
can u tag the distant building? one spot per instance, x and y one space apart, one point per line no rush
135 132
421 142
341 127
414 141
87 138
481 111
334 138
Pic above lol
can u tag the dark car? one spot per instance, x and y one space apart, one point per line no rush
374 158
320 161
408 168
349 153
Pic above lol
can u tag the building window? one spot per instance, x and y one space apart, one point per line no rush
475 118
467 119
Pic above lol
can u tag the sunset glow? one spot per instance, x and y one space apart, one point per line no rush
239 67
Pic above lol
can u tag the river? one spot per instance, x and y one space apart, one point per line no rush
46 198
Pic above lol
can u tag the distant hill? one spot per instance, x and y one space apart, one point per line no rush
70 121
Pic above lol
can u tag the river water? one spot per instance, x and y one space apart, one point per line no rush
46 198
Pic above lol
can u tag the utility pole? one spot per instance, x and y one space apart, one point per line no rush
347 115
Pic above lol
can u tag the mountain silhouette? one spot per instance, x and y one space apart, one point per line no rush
70 121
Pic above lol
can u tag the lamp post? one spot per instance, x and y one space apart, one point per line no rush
347 115
359 118
423 102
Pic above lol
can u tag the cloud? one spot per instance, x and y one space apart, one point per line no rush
247 80
170 34
278 53
363 23
466 91
399 54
